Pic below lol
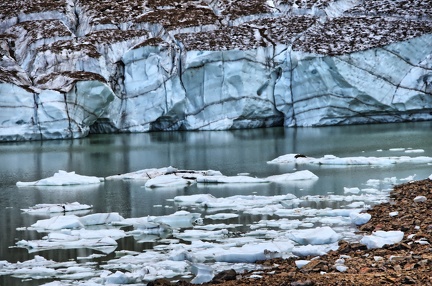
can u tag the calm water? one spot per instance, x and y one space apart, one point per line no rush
230 152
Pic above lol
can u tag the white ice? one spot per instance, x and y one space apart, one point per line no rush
379 238
314 236
314 250
205 249
360 218
296 176
360 160
63 178
172 177
147 174
56 208
229 180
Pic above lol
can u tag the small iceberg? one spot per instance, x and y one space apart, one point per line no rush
168 181
360 160
296 176
229 180
56 208
63 178
147 174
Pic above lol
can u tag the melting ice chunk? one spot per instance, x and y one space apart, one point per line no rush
63 178
379 238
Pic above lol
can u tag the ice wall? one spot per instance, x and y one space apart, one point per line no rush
71 67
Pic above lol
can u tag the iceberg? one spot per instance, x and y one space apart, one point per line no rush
100 218
230 180
168 181
343 161
56 208
296 176
145 174
105 244
63 178
58 222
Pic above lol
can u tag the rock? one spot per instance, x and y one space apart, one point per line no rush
225 276
160 282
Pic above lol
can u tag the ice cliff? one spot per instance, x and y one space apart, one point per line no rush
70 67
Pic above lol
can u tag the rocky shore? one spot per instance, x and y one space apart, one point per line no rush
407 262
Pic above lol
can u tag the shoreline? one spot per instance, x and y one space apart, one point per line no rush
406 262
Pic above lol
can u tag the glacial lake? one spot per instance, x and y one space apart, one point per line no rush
230 152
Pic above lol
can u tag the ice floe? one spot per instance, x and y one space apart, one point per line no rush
173 177
187 246
63 178
360 160
296 176
57 208
147 174
230 180
170 180
320 235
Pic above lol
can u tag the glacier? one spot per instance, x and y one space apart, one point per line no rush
72 68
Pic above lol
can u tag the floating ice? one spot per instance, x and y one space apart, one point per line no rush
229 180
379 238
105 244
333 160
59 222
234 202
222 216
179 219
100 218
216 247
147 174
320 235
296 176
351 190
170 180
414 151
57 208
63 178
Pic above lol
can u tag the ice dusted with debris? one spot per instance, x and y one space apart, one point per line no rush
344 161
63 178
168 177
57 208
